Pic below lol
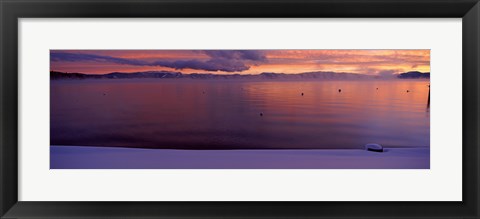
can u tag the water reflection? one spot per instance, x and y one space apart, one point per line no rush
203 114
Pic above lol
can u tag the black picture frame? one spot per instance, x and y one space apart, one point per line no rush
12 10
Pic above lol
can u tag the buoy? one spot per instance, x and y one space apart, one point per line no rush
408 91
377 88
339 90
302 94
374 147
261 114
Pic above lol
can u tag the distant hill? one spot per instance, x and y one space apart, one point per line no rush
166 74
148 74
414 75
319 75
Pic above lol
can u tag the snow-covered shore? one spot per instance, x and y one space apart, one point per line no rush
79 157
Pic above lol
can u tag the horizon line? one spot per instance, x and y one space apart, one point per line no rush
205 73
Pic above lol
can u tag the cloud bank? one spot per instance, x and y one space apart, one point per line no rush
219 60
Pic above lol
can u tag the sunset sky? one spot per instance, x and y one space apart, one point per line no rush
373 62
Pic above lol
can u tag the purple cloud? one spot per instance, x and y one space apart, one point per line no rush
220 60
210 65
78 57
253 55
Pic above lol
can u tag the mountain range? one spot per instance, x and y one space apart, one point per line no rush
319 75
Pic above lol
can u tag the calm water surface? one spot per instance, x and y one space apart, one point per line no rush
207 114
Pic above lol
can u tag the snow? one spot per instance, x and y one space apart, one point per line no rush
81 157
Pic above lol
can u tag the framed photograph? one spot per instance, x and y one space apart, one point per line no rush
251 109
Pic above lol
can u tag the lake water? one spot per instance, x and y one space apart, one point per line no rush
231 114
